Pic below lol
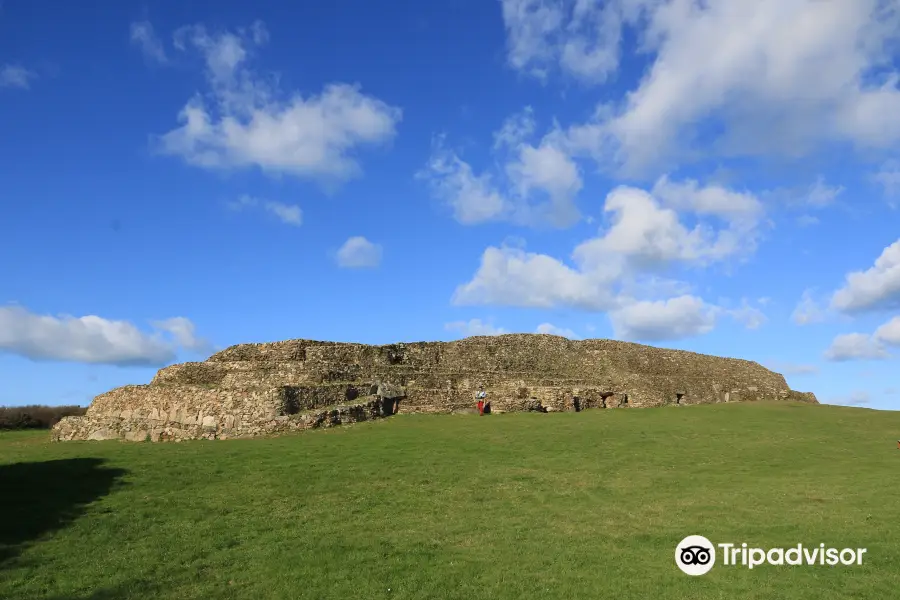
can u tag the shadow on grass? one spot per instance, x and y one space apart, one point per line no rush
40 497
139 589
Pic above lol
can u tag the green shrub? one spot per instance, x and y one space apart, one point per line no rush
35 416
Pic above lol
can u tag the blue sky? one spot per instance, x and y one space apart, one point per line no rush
721 177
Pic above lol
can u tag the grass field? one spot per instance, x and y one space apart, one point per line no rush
569 505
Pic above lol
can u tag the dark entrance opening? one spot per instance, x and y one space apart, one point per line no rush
624 399
576 402
290 400
678 398
390 406
603 397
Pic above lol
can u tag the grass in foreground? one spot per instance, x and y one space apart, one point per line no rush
586 505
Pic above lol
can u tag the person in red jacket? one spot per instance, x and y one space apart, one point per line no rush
481 396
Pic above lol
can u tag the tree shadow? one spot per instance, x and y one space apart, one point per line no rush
37 498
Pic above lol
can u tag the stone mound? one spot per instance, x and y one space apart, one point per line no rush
255 389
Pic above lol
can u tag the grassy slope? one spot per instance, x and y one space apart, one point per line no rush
587 505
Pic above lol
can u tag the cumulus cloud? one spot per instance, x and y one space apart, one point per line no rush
644 236
358 252
876 288
646 230
289 214
513 277
808 310
582 37
545 170
855 346
473 198
474 327
889 333
144 37
247 121
184 332
551 329
536 186
91 339
675 318
16 76
769 87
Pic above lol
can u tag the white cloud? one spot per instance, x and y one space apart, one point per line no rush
512 277
536 187
715 200
808 310
684 316
184 332
287 213
580 37
888 176
358 252
877 287
546 169
290 214
616 270
749 316
807 220
646 233
889 333
244 122
474 327
16 76
856 398
788 368
816 196
515 130
473 198
551 329
143 36
855 346
90 339
770 86
821 195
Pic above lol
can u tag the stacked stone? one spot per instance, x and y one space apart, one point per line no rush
257 389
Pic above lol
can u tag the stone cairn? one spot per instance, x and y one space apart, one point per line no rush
257 389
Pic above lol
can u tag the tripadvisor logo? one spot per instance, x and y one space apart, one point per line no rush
696 555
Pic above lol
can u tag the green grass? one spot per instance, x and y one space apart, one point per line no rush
586 505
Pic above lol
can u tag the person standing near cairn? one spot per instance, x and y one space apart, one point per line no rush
480 396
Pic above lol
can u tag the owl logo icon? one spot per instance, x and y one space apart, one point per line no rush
695 555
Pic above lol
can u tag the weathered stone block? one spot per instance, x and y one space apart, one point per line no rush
139 435
101 434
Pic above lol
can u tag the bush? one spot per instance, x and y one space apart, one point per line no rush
35 416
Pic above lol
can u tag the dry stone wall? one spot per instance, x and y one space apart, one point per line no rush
255 389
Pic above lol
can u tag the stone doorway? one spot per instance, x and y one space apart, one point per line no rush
603 397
